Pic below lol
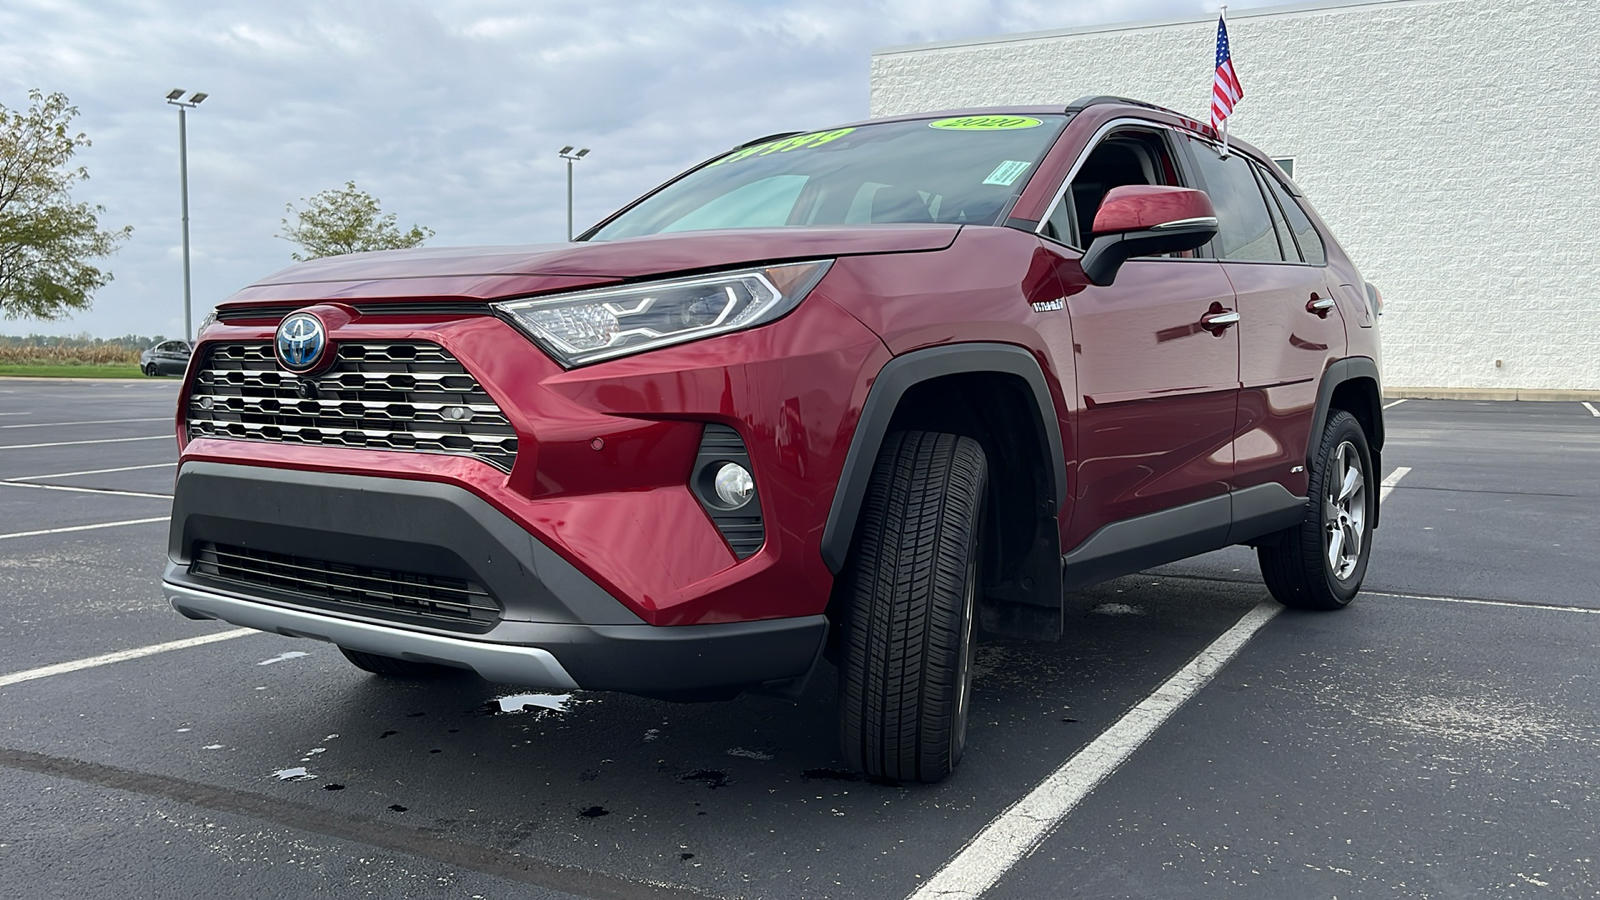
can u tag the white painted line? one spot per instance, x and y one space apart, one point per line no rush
93 422
121 656
92 472
22 534
156 437
28 413
1016 832
1395 403
1389 483
82 490
1590 407
1507 604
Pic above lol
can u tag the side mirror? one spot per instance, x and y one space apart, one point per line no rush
1144 220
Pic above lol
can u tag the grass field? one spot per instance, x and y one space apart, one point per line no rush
70 371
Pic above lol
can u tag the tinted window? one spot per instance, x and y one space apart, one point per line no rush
965 171
1285 239
1244 225
1305 234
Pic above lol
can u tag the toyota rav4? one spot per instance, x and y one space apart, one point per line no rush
848 394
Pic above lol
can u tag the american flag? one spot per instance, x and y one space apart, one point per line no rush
1225 88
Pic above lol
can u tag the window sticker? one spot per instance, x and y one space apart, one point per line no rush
798 142
986 123
1007 172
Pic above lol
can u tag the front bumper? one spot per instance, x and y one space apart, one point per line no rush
556 628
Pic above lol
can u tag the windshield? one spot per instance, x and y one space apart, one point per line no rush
961 170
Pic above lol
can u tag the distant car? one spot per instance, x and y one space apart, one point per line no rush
845 394
165 358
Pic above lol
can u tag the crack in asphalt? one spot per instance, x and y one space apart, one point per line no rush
290 814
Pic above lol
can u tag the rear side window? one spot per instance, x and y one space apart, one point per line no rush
1245 231
1305 234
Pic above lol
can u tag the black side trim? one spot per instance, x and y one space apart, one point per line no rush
1121 548
1263 510
898 376
1131 545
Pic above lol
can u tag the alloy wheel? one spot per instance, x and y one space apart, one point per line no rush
1344 512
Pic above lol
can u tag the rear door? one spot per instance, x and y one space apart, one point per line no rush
1289 328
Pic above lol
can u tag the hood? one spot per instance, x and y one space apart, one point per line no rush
489 272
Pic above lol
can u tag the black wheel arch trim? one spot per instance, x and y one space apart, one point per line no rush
1339 372
892 382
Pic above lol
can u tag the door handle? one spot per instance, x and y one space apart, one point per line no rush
1219 320
1319 305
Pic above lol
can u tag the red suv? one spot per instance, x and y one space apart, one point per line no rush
848 394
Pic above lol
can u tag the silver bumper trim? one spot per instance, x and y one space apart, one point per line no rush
505 664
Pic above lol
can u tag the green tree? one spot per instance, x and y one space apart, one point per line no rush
346 220
47 241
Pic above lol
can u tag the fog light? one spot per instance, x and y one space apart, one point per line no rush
734 485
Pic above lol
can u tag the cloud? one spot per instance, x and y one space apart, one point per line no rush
449 112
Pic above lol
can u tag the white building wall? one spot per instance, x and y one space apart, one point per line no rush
1451 145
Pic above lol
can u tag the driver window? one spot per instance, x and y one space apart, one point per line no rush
1129 156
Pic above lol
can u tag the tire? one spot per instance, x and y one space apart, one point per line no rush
389 667
910 589
150 370
1313 565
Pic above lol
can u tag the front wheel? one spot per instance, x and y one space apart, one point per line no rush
910 593
1319 564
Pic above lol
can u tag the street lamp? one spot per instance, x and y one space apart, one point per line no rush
570 157
175 97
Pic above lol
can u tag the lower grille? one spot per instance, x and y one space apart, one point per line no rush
382 593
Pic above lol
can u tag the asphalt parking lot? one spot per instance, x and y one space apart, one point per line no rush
1437 739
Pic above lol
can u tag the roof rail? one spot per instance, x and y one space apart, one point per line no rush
1098 99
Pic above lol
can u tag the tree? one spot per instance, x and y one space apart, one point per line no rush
346 220
47 241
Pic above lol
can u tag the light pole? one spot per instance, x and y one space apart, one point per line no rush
175 97
570 157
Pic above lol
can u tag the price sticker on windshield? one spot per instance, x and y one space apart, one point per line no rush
1007 173
786 145
986 123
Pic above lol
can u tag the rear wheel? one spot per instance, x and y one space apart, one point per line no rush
910 589
389 667
150 370
1319 564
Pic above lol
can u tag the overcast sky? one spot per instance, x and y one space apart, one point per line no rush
449 112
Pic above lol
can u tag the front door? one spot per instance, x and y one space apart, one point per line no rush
1158 382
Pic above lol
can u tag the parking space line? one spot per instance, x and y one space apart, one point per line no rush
1395 403
1472 601
91 422
81 490
1389 483
1590 407
1016 832
155 437
23 534
106 659
91 472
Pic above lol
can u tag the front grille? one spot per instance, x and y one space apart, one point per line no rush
370 590
382 396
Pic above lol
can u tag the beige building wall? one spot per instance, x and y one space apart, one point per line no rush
1450 144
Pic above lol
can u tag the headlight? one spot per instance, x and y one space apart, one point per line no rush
589 326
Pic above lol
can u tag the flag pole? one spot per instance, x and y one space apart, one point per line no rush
1226 118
